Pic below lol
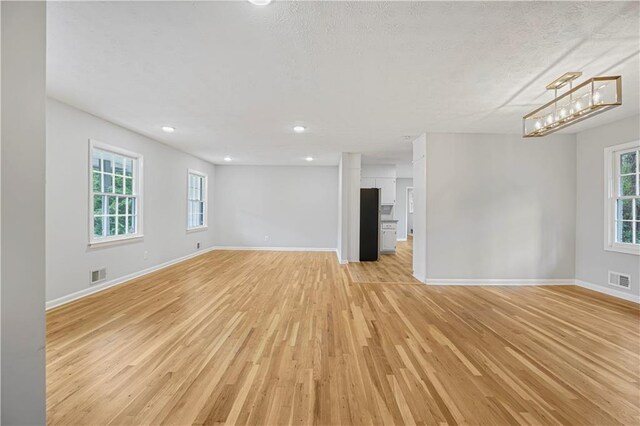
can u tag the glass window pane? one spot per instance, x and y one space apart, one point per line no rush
628 163
96 182
122 225
628 185
97 204
107 162
638 232
637 203
107 183
112 225
112 202
625 210
95 160
128 184
201 220
119 165
624 232
97 226
128 167
132 221
119 185
201 207
122 206
132 205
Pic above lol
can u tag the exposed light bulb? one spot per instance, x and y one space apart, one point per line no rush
578 106
596 98
299 129
549 118
563 113
538 124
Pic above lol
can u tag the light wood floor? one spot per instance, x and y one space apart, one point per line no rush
265 338
391 268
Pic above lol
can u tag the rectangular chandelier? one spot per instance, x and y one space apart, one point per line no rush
590 98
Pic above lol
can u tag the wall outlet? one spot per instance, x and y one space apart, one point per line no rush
266 238
145 255
198 246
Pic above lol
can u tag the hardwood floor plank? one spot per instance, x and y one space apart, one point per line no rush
290 338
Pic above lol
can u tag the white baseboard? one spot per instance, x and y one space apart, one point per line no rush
243 248
505 282
605 289
120 280
341 261
402 239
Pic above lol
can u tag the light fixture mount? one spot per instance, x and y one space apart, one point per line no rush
593 96
563 80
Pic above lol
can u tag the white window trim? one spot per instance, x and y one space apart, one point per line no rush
138 173
205 192
611 162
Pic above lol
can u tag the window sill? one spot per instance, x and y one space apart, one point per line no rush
198 229
115 241
633 249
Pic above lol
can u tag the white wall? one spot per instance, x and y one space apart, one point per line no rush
592 261
354 166
500 207
378 170
401 206
23 212
404 171
410 221
69 259
420 207
342 249
292 206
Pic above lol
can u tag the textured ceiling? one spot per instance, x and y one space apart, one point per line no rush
233 78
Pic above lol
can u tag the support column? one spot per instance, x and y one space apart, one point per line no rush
420 208
22 215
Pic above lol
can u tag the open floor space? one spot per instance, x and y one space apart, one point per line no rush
314 212
287 338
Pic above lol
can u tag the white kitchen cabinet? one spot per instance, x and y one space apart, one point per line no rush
389 237
387 190
368 182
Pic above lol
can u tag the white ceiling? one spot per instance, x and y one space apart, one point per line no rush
233 78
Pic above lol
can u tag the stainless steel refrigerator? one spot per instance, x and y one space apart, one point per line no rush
369 224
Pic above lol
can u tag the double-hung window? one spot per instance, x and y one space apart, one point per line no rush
115 199
196 200
622 193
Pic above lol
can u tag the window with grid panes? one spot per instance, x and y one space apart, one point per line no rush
115 194
196 200
624 198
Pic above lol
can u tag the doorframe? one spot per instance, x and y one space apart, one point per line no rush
406 214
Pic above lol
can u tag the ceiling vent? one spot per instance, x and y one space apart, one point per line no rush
98 275
619 280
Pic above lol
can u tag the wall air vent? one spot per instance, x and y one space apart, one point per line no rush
98 275
619 280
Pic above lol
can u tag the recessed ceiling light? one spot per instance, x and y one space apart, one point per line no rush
299 129
168 129
260 2
309 158
227 158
